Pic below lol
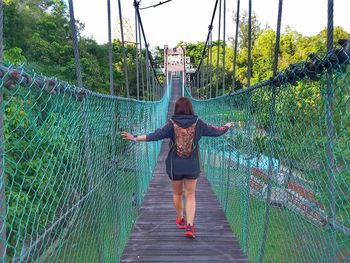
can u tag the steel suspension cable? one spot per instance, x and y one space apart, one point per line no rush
207 68
235 48
141 59
331 166
249 43
218 55
1 31
137 53
110 54
2 151
113 122
224 50
147 45
271 133
147 70
124 52
245 229
210 63
75 44
156 5
209 32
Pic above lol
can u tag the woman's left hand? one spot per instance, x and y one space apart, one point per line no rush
230 124
127 136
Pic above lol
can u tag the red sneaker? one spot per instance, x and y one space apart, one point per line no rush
181 223
190 231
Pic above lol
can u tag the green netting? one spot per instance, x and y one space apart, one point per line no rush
71 187
275 173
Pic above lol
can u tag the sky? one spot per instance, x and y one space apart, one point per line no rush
188 20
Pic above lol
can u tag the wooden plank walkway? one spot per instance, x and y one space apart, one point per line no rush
155 237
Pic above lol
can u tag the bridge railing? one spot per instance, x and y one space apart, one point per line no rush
283 173
71 187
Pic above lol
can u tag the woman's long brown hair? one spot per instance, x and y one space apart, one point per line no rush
183 106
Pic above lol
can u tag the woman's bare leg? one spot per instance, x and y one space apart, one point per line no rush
190 193
177 197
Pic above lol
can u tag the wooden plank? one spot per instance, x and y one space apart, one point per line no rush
155 237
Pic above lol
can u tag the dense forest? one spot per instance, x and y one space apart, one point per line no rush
37 34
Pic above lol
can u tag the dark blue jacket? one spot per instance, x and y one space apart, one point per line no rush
176 165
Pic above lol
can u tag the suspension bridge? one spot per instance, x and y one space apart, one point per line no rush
276 188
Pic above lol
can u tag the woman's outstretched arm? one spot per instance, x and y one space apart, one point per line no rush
212 131
131 137
159 134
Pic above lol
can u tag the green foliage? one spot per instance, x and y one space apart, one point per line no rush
38 33
14 56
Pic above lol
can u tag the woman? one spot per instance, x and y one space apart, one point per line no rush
182 169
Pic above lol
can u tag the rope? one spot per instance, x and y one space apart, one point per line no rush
235 48
124 52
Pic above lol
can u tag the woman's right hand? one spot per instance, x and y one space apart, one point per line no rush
127 136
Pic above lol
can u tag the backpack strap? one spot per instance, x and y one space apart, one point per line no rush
194 146
172 146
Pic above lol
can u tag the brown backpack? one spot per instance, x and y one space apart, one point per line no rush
184 137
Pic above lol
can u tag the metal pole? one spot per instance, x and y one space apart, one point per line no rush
124 52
